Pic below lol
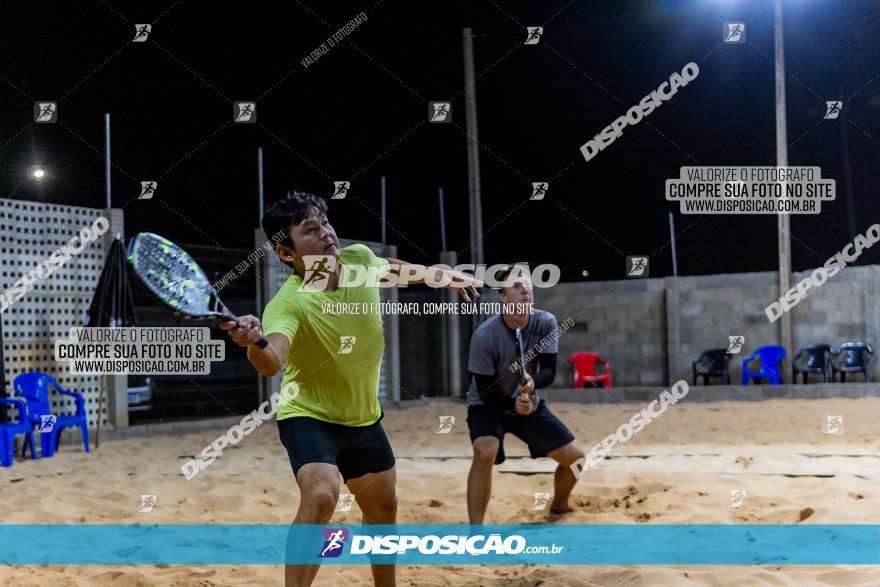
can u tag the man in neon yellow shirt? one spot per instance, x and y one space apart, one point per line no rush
330 425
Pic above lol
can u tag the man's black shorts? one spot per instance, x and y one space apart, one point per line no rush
355 450
541 429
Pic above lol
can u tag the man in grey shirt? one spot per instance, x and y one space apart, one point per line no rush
498 404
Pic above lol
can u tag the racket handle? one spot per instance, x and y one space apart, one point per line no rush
227 315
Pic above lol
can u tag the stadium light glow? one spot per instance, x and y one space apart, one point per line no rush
36 172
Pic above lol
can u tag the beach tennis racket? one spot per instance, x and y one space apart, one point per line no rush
519 355
177 280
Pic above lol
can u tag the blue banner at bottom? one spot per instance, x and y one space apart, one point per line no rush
423 544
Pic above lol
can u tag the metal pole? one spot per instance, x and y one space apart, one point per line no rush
107 188
452 358
672 310
260 181
672 240
784 236
847 177
391 328
473 152
262 382
108 195
383 209
442 221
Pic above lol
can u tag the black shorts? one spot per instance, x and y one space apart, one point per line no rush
355 450
541 430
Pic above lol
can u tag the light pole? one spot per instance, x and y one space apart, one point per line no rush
784 234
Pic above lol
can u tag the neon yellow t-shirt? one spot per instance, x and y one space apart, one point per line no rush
335 359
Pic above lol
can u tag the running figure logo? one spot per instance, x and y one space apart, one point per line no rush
346 345
244 112
439 111
636 266
141 33
832 109
734 32
317 272
833 424
340 190
148 188
47 423
533 34
737 496
736 344
334 540
539 190
541 500
46 112
345 502
446 424
147 503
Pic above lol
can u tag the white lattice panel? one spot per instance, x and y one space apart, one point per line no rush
30 233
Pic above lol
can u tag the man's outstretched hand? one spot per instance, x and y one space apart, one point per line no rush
463 283
247 332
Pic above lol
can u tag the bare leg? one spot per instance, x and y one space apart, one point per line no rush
375 495
319 492
563 478
479 487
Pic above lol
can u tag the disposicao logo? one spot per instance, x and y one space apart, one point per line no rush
334 540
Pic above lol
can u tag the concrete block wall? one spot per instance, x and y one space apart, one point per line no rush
625 322
713 307
839 310
651 330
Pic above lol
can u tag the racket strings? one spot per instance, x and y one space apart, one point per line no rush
174 277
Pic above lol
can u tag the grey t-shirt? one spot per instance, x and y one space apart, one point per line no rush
493 351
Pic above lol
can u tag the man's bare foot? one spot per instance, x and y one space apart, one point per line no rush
560 509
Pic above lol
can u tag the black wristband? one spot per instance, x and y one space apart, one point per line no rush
547 374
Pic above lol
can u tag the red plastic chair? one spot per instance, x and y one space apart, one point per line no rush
584 367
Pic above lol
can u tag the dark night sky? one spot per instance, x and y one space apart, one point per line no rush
360 112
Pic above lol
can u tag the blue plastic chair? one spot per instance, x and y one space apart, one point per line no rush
9 430
770 357
34 387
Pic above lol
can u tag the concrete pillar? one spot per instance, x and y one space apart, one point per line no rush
115 386
872 308
786 322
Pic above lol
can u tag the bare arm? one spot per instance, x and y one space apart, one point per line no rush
410 273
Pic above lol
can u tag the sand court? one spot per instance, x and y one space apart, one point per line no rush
774 451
